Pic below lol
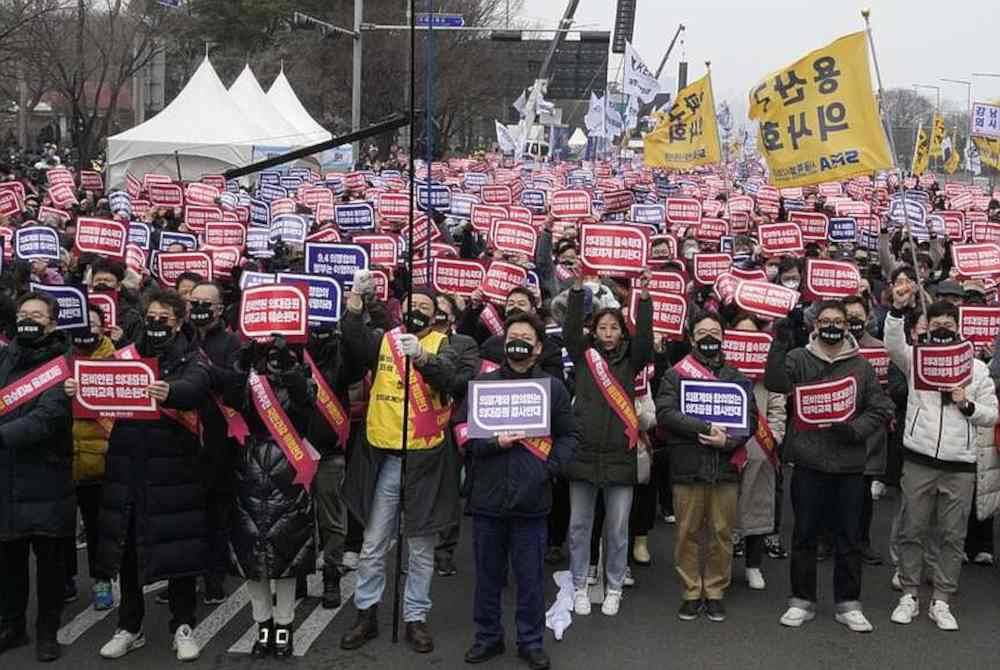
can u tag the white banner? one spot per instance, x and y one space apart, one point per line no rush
639 79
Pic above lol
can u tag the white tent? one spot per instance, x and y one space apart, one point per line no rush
250 97
203 125
577 140
284 99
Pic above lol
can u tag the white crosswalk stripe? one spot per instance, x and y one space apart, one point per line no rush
314 625
220 616
90 617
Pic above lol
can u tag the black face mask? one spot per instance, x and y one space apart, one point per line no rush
941 336
832 334
201 315
85 341
29 333
513 311
158 334
709 346
102 288
416 321
857 328
440 319
518 350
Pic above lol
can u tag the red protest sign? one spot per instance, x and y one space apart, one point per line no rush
165 195
281 206
985 232
9 204
979 325
224 260
201 194
135 258
330 234
423 228
725 287
683 211
570 204
496 195
456 276
382 249
615 250
514 238
132 186
765 299
746 351
976 260
521 215
942 367
813 225
101 236
108 304
62 195
830 279
821 404
381 282
316 197
879 359
778 239
198 216
757 274
483 216
173 264
954 224
500 278
739 223
852 209
115 389
617 200
710 230
669 313
393 205
708 267
273 309
668 281
215 180
224 234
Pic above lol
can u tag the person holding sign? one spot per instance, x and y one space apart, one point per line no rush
607 361
835 402
373 486
939 461
153 509
705 478
37 502
510 494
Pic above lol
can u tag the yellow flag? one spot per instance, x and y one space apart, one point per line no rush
989 151
952 161
921 152
818 118
687 136
937 135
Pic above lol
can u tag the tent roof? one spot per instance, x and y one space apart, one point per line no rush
577 139
203 113
250 97
284 99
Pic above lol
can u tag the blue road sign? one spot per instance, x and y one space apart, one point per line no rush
425 19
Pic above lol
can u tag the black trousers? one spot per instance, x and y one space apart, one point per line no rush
181 593
868 511
50 566
643 513
753 556
559 514
820 498
979 536
88 499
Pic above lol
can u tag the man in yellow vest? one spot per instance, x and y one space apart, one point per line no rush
373 490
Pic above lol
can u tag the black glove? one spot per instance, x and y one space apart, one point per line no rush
845 433
248 355
297 383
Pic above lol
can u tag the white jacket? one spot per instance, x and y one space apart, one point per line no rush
932 428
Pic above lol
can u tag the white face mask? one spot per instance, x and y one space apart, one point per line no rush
689 252
772 272
790 283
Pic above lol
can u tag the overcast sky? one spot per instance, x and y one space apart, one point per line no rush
916 42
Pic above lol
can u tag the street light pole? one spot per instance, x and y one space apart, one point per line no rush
968 110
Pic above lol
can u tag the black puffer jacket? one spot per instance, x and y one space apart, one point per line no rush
37 496
272 531
154 474
603 456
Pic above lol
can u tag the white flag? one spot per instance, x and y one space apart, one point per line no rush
520 103
639 79
544 106
595 119
972 162
613 119
632 112
508 144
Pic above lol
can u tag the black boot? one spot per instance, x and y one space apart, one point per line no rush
331 588
47 650
264 645
365 628
301 589
283 641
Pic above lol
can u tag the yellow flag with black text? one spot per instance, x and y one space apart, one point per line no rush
989 151
921 152
937 135
818 117
687 136
950 155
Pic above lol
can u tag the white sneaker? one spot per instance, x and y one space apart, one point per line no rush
755 579
185 644
670 518
628 579
878 489
591 575
796 616
612 601
122 643
896 584
581 601
983 558
855 620
906 610
350 560
940 614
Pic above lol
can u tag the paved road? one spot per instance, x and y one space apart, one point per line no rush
645 634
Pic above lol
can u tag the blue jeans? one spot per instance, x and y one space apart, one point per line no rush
380 531
617 506
521 542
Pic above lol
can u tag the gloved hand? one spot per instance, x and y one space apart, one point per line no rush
364 285
248 355
845 433
410 345
784 333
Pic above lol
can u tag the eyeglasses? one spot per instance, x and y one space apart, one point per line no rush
826 323
34 316
166 317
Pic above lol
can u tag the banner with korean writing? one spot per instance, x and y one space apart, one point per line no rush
324 295
687 135
821 404
942 367
765 299
979 324
976 260
669 313
818 117
830 279
509 406
71 302
456 276
613 249
747 352
272 309
878 357
115 389
723 404
104 237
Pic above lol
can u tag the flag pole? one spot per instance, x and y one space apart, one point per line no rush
887 129
401 514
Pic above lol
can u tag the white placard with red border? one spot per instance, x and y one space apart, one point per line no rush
942 367
820 405
830 279
613 249
104 237
275 309
765 299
